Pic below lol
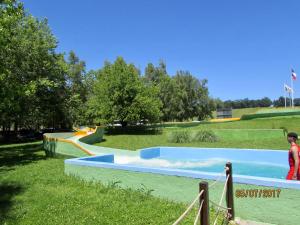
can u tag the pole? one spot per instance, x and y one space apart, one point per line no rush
204 214
229 192
292 86
284 95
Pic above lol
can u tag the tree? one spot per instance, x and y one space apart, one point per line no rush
246 103
297 101
193 94
119 94
77 89
168 93
219 104
157 76
265 102
280 102
183 96
154 74
31 73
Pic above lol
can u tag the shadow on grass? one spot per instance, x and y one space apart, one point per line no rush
10 157
8 191
20 155
133 130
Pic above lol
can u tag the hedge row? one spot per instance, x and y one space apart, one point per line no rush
265 115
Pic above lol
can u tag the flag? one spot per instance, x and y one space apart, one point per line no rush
288 89
294 75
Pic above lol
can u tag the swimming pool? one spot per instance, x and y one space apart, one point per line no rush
215 165
259 167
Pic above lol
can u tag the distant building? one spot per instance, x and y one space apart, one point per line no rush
224 113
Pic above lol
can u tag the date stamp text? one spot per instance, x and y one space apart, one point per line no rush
257 193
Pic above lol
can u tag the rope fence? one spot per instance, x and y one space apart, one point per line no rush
218 178
202 215
188 209
221 200
198 214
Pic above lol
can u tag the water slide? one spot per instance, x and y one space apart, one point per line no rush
79 143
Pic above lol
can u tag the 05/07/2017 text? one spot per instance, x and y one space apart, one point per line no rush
257 193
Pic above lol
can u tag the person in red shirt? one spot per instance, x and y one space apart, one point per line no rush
294 157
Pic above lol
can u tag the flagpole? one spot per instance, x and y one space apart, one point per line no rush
284 96
292 86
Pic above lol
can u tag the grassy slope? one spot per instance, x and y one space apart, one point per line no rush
239 137
34 190
240 112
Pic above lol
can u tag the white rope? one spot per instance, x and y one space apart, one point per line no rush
219 178
220 202
188 209
220 206
198 214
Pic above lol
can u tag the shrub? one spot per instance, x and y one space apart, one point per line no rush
187 136
180 136
204 136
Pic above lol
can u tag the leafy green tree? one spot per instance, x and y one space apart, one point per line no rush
193 94
155 74
219 104
280 102
265 102
30 71
77 90
119 94
168 93
248 103
183 96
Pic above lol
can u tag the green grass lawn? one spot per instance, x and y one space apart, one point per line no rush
257 134
134 142
35 190
240 112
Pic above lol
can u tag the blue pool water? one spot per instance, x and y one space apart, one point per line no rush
244 168
259 167
215 165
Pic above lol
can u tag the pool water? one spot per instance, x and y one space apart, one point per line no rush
246 168
216 165
250 166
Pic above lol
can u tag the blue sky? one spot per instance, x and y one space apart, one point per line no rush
244 48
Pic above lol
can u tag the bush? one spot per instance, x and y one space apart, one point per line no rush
187 136
205 136
180 136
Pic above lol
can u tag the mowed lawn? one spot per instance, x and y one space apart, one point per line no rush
258 134
34 190
240 112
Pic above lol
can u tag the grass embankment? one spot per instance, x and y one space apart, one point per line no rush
258 134
35 190
240 112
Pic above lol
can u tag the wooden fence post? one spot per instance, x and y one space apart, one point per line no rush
229 192
204 215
